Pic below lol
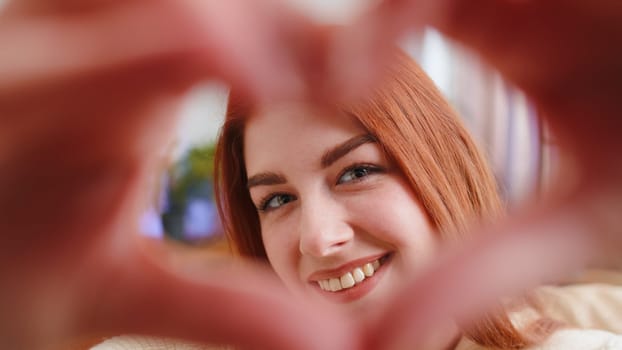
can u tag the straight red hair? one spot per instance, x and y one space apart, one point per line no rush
422 135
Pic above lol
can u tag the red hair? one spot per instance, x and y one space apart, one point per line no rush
422 135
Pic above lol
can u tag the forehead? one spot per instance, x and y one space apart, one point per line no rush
287 118
289 132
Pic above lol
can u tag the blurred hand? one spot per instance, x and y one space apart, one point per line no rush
88 97
564 55
89 91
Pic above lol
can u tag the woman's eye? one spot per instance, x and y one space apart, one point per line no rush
357 173
275 201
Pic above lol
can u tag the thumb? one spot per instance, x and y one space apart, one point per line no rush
538 247
226 303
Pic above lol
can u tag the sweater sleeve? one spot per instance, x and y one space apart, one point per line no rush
134 342
582 339
592 306
566 339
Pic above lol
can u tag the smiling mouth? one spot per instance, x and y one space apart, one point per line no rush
354 277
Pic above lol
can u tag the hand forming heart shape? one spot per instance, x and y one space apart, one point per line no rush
87 91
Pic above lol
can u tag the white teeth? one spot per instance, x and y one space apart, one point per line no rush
350 279
327 285
335 285
347 281
358 275
323 284
368 269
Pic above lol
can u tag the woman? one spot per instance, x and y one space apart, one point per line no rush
348 206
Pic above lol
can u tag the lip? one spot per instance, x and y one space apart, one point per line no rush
359 290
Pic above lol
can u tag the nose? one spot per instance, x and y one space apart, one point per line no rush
323 229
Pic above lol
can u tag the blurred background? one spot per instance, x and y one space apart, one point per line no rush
499 117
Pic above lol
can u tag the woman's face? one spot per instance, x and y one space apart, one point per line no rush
338 220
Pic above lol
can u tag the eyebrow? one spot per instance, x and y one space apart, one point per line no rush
328 158
265 179
333 154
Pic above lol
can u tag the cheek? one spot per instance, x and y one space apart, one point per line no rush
281 250
396 218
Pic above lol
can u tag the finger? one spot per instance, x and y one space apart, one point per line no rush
243 306
71 172
66 187
536 248
48 93
503 30
559 52
359 52
61 45
226 40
